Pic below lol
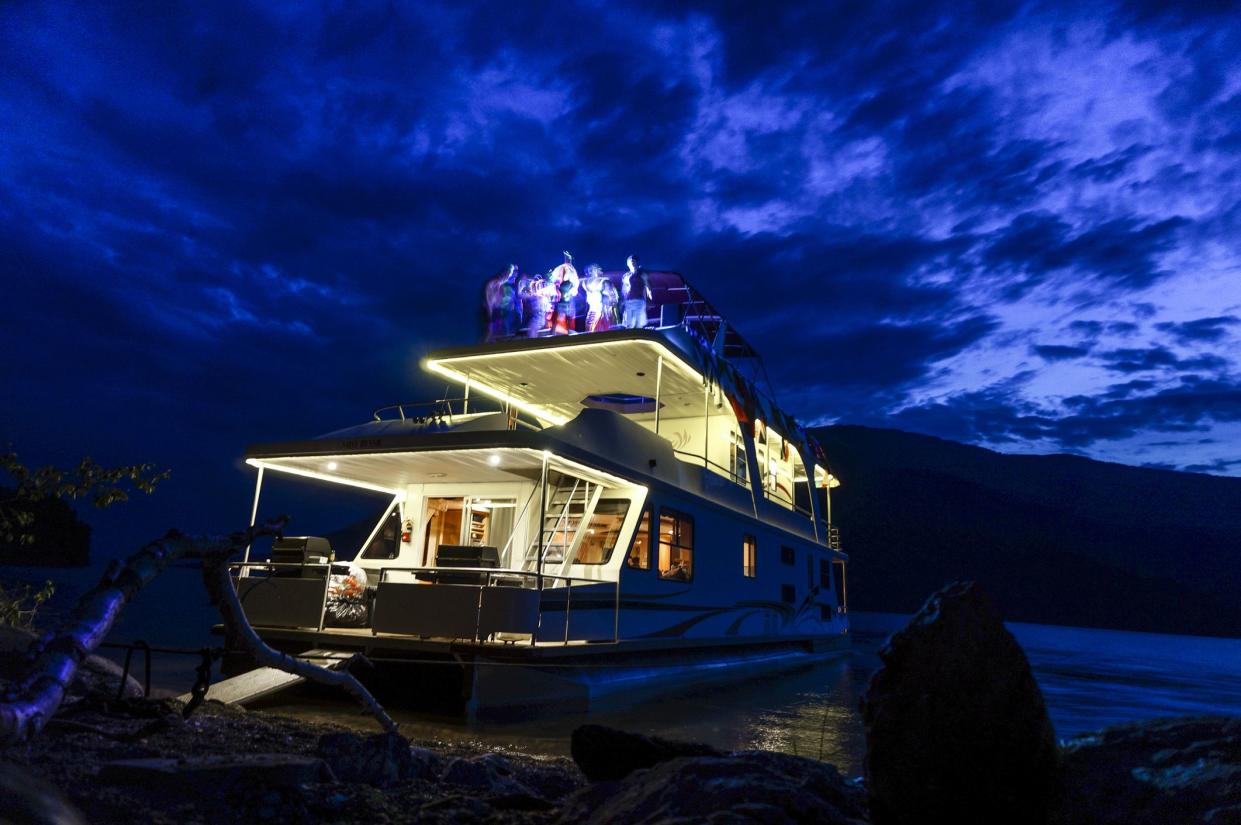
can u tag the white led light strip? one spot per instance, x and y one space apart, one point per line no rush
298 471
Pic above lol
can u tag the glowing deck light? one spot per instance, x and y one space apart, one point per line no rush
332 466
494 459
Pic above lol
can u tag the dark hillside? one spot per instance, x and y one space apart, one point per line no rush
1057 539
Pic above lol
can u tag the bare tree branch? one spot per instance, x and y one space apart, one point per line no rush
224 596
29 702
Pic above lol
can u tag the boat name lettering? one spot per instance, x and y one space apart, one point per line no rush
356 443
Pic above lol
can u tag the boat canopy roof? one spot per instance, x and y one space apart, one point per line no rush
388 472
555 378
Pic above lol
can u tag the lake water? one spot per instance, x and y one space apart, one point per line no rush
1090 678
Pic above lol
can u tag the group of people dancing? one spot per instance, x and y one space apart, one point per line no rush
550 304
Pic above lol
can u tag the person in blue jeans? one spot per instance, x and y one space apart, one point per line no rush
636 291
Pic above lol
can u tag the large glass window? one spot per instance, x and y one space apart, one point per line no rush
640 551
749 556
676 545
602 531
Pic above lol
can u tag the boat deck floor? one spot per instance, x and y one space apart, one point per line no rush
356 638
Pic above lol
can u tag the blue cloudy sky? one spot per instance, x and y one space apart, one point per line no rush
1011 225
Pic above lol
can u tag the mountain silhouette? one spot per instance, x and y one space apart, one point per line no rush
1057 539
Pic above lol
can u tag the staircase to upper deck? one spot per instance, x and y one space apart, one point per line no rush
570 504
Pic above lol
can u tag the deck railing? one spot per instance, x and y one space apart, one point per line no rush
504 577
706 463
447 411
487 577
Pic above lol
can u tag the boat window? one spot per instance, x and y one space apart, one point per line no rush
749 556
788 555
737 463
788 593
640 552
602 531
825 573
386 542
676 545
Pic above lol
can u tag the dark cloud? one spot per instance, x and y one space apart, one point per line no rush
1220 466
1137 386
1208 330
1124 251
1093 329
1000 416
1111 166
1159 358
1059 352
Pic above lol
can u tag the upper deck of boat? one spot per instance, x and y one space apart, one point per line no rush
675 401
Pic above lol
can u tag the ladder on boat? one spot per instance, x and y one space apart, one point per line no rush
570 504
264 681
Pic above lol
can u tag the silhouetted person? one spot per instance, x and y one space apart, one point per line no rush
636 290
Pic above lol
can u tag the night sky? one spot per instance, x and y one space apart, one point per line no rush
1018 227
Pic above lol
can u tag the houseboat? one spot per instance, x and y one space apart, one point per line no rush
593 514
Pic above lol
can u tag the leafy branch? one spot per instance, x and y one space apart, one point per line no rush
19 605
104 486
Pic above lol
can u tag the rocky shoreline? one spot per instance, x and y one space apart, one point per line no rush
956 732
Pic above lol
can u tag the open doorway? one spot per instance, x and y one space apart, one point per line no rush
465 520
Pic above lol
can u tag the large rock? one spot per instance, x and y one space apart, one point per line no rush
96 675
101 676
605 753
382 759
489 774
956 728
751 786
1154 772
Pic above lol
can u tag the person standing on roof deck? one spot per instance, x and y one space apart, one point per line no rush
597 320
636 290
528 293
544 291
566 280
503 304
611 298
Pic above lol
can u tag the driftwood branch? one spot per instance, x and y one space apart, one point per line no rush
28 703
224 596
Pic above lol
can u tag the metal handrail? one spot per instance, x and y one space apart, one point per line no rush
540 584
491 572
728 472
532 581
561 519
442 410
